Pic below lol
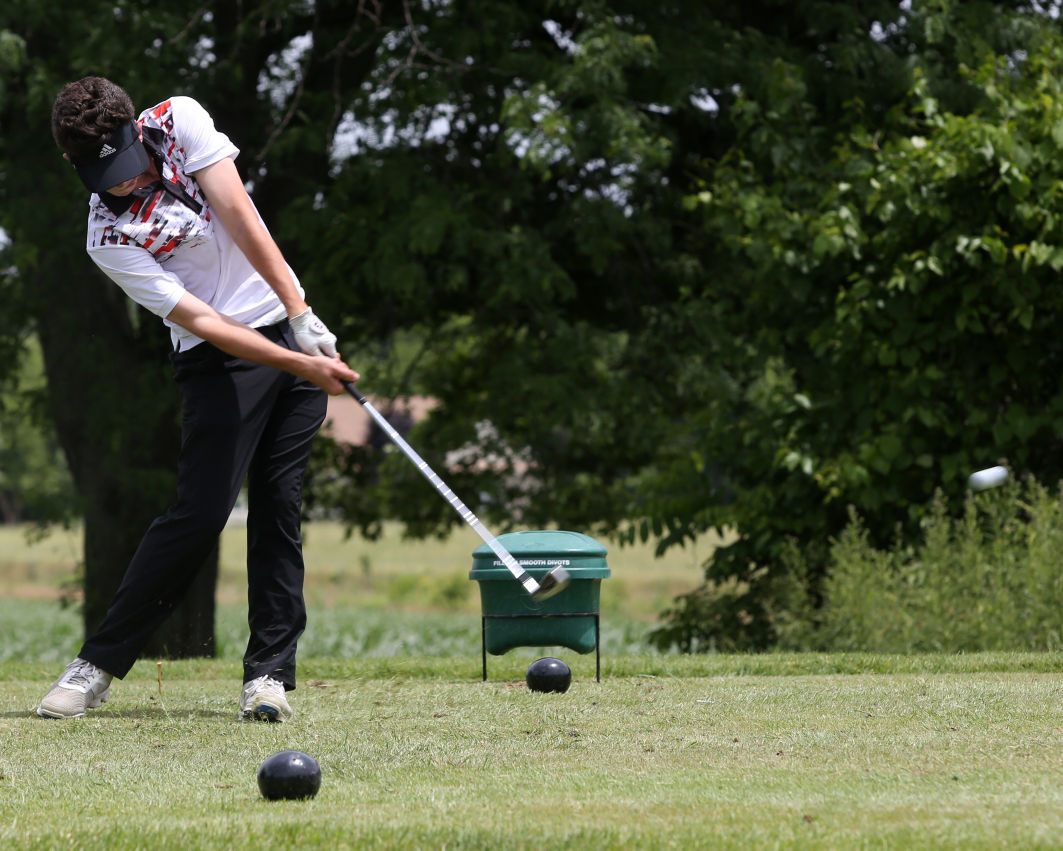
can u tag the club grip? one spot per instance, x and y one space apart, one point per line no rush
350 388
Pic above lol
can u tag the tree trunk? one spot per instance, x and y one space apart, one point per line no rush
9 509
116 414
112 535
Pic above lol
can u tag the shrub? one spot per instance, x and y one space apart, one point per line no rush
991 579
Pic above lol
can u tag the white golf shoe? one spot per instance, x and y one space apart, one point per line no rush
263 700
82 686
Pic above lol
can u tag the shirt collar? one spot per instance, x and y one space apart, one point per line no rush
153 142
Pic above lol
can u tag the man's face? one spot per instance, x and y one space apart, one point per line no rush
127 186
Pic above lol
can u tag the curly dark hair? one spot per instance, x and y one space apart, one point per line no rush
86 112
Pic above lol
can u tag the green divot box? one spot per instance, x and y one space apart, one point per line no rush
511 618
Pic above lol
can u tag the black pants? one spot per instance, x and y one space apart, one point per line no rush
240 420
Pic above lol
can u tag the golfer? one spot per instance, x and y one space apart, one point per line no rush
171 224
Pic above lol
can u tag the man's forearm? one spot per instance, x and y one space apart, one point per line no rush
234 337
225 191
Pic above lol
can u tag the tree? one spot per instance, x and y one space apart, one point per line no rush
34 482
675 311
111 397
110 394
613 234
892 306
581 310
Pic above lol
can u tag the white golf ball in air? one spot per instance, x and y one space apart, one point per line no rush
988 478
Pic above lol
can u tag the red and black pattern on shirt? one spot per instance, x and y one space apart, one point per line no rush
160 221
173 154
163 115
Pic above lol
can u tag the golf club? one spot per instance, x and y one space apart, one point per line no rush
551 584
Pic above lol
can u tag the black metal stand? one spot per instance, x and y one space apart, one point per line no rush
597 635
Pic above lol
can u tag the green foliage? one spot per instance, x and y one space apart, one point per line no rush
666 268
34 481
891 316
514 239
988 579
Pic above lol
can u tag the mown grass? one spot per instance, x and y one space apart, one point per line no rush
931 751
805 750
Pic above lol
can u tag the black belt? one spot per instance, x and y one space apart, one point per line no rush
276 331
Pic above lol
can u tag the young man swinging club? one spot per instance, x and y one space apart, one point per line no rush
171 223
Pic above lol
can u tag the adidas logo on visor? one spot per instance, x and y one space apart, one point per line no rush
106 151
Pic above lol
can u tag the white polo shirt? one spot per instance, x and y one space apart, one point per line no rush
163 240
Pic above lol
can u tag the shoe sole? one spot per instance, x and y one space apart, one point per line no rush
264 712
55 716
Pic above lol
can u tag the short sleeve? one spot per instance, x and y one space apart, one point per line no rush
194 128
140 276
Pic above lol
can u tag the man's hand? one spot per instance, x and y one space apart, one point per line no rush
328 373
312 335
237 339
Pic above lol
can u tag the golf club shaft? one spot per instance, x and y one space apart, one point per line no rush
519 573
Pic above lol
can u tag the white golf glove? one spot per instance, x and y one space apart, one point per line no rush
312 335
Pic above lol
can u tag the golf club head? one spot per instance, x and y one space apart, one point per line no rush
553 583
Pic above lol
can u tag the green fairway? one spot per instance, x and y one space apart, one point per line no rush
806 751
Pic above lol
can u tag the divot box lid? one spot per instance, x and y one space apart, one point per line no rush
543 549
